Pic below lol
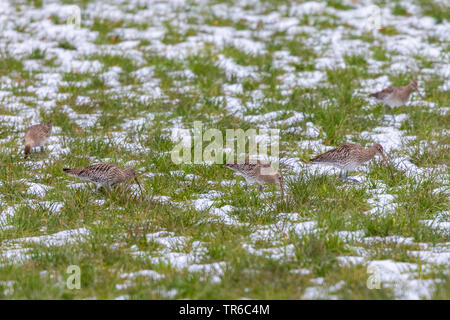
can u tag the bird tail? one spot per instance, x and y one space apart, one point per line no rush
67 170
27 149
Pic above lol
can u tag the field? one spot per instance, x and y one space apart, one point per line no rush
125 82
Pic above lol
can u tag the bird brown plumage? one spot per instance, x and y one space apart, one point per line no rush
395 96
37 135
257 171
347 157
104 174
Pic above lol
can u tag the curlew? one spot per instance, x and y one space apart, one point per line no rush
37 135
257 171
347 157
104 175
395 96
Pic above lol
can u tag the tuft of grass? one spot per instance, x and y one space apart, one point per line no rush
338 5
355 60
173 36
9 64
260 239
380 54
36 3
66 45
388 30
398 10
437 10
37 54
105 27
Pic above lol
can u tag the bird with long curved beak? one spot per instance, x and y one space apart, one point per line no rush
140 188
347 157
104 175
396 96
257 171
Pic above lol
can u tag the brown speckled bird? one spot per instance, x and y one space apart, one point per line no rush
395 96
257 171
104 174
37 135
347 157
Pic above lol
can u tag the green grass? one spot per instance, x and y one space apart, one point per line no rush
9 64
439 11
398 10
265 254
36 3
37 54
380 54
66 45
104 28
389 30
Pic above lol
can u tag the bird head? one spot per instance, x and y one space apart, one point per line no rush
131 173
414 86
379 150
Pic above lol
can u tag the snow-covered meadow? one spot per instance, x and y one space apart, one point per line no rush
122 79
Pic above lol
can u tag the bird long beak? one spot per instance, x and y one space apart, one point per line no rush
281 189
137 181
386 162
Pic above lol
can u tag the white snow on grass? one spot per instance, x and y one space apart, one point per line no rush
169 254
14 251
234 70
399 275
38 189
223 215
143 273
330 45
56 239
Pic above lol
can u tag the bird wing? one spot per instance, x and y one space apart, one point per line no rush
381 95
91 171
47 130
335 154
38 132
243 167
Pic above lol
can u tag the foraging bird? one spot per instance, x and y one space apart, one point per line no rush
37 135
257 171
395 96
347 157
104 174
